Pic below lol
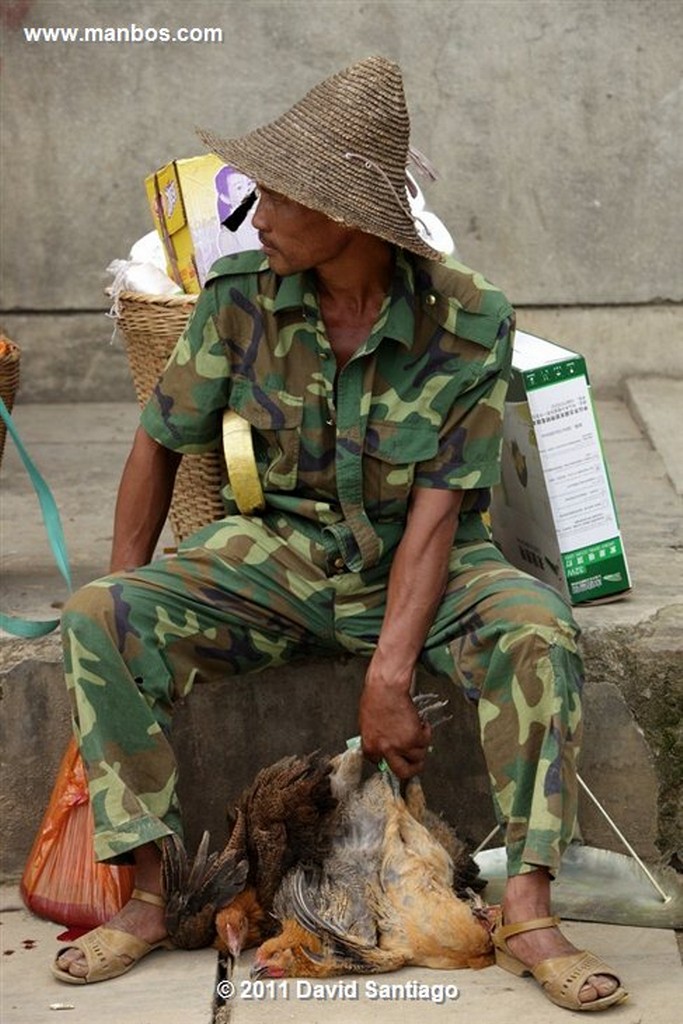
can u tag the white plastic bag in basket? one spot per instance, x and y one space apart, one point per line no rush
143 272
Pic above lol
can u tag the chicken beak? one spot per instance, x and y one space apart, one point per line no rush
234 941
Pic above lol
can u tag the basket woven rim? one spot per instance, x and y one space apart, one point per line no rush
164 300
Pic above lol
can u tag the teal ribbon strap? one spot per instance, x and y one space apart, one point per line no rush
53 524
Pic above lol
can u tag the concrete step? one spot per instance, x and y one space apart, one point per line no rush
656 404
633 649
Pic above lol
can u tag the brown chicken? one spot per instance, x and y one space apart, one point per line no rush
293 953
277 822
382 900
249 917
241 924
194 893
281 820
354 838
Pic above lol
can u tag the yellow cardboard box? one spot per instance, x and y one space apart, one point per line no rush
190 199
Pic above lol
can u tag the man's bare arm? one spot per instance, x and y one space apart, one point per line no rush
389 724
143 501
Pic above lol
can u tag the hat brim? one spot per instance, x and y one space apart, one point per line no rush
327 185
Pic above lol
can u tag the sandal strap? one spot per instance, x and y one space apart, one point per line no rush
105 943
506 931
148 897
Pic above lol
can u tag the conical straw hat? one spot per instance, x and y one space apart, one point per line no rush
341 150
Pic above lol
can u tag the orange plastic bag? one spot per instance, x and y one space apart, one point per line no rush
62 881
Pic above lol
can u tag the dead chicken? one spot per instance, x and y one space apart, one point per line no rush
337 890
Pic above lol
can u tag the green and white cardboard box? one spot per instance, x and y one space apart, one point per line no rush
553 513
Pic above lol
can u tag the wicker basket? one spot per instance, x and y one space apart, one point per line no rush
151 325
10 355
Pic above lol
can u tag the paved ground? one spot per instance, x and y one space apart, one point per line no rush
177 987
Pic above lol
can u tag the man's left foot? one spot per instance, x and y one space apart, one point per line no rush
570 978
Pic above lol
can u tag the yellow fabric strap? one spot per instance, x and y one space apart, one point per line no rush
238 449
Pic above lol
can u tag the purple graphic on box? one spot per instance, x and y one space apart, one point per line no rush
231 188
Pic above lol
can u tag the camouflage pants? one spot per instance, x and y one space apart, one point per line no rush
243 596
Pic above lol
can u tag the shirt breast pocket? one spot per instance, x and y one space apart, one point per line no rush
275 417
391 452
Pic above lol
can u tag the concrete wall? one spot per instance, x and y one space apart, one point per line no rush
556 126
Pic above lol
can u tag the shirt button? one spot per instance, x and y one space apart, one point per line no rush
431 299
339 563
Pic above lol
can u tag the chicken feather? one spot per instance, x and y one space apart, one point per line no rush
194 892
280 821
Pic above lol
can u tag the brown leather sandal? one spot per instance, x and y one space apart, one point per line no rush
110 952
560 977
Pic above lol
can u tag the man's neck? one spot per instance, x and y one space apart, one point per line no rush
357 276
351 291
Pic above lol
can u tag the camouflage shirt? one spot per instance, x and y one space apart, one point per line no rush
419 404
